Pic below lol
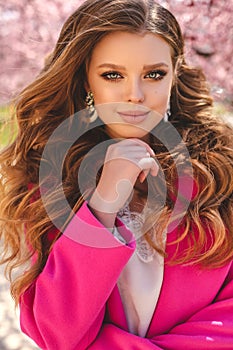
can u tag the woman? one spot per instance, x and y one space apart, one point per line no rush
146 260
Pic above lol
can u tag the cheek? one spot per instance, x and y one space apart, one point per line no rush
160 102
105 111
102 96
161 98
104 93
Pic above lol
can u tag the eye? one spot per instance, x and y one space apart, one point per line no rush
156 74
114 76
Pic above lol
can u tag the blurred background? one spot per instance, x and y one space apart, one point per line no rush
28 32
30 28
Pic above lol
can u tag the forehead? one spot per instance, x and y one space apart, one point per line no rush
131 47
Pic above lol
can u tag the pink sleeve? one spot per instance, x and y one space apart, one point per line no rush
210 328
64 308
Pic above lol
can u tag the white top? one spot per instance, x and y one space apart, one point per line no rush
141 279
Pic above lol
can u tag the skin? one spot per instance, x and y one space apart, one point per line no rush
119 77
130 76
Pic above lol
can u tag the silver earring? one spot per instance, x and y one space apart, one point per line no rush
167 114
90 107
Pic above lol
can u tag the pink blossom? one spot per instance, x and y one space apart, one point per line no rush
29 29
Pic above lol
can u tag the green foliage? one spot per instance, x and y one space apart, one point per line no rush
224 112
7 126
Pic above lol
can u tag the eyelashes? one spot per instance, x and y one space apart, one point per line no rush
114 76
154 75
157 74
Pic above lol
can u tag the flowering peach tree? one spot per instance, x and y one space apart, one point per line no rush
29 29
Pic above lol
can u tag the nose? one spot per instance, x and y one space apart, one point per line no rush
134 91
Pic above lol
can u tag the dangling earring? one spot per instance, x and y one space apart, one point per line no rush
167 114
90 107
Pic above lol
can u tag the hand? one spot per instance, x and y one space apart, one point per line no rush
125 161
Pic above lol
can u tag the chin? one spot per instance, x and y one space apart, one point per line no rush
127 131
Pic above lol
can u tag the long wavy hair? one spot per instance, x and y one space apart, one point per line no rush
58 94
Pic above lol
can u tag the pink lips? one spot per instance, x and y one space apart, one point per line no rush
133 117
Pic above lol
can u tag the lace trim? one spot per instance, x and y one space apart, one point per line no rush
134 222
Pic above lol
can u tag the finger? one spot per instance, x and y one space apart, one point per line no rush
128 153
148 148
149 164
136 142
143 175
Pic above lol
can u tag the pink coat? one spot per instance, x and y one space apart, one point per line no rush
75 304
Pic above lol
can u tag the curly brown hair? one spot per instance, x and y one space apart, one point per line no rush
58 94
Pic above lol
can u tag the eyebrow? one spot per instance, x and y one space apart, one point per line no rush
146 67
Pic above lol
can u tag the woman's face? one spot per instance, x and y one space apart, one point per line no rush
130 76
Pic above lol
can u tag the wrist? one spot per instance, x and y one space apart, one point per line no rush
106 218
104 205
